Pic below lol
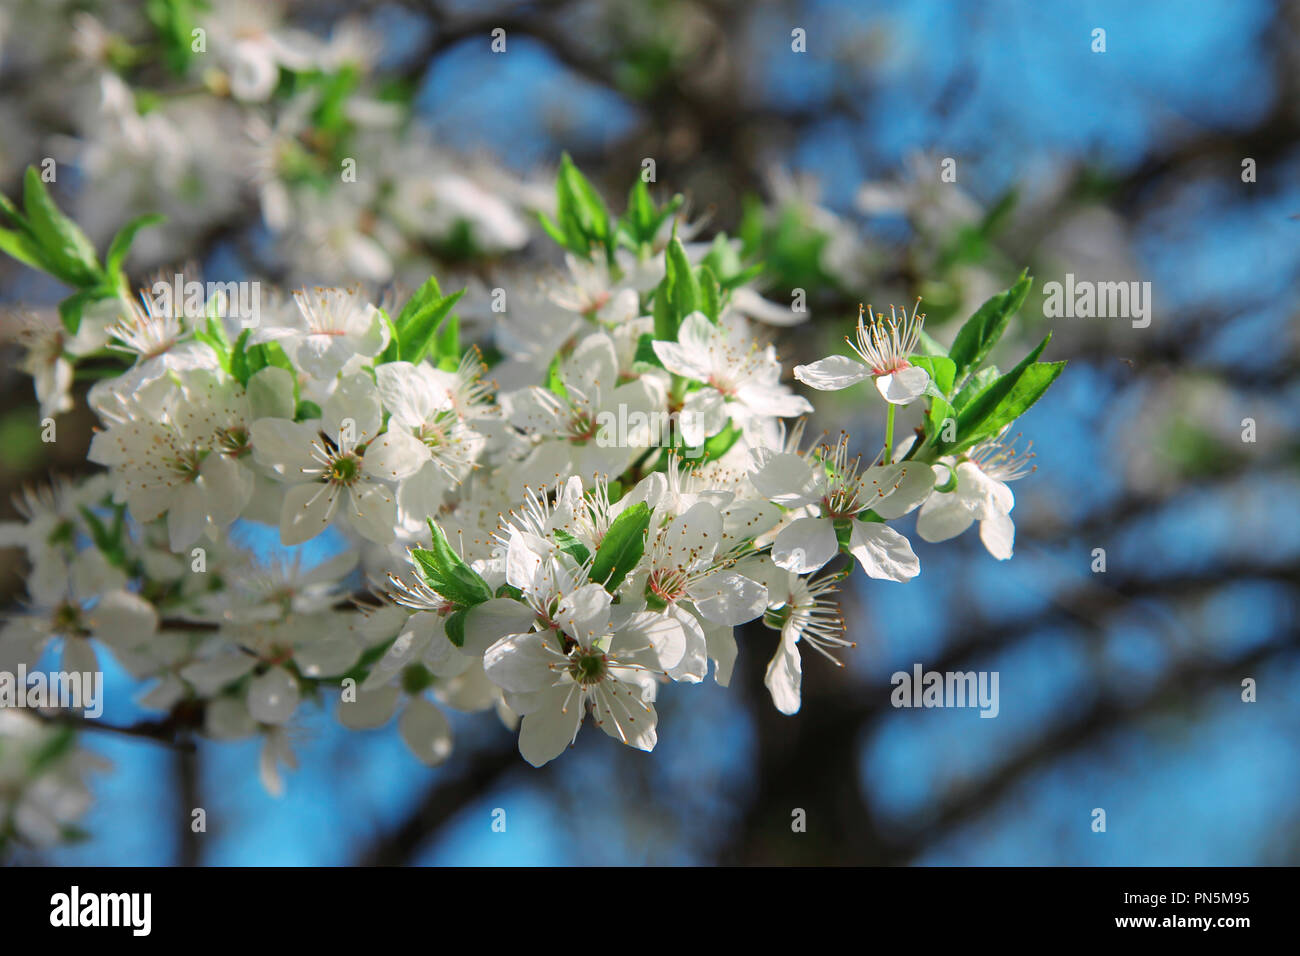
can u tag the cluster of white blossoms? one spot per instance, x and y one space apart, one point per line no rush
511 531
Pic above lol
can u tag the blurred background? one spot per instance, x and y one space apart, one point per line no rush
1119 690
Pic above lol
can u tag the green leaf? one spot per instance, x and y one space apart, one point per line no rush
685 290
448 574
942 370
449 342
930 344
65 245
71 308
665 318
571 546
454 625
555 378
552 230
423 329
121 244
645 352
718 445
982 330
426 295
241 368
585 203
745 275
639 218
24 248
1029 388
974 385
710 293
622 547
987 412
55 746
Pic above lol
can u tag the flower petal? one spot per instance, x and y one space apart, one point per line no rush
883 552
832 374
805 545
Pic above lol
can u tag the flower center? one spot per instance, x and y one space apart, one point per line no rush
345 469
588 667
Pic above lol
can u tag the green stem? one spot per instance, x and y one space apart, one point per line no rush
889 434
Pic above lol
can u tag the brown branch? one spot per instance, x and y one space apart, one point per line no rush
471 776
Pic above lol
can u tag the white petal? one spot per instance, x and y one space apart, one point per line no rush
355 400
395 455
370 708
79 658
784 677
426 731
584 614
805 545
406 394
998 532
704 413
372 511
273 697
913 486
402 652
521 663
904 386
832 374
548 730
123 619
943 516
729 598
662 632
270 393
487 623
619 709
723 650
984 496
306 511
284 446
210 675
883 552
229 485
327 655
787 480
694 665
691 537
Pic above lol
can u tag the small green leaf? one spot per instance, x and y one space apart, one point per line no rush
982 330
65 245
71 308
571 546
24 248
121 244
710 293
423 330
942 371
685 290
645 352
448 574
1001 402
622 547
454 625
665 317
974 385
